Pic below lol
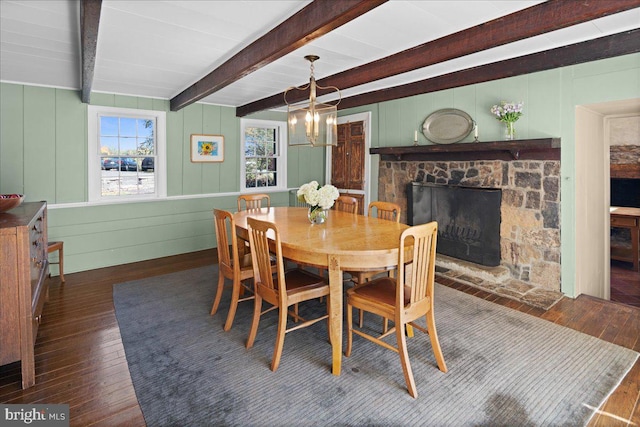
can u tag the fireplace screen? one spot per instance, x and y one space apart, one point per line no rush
468 219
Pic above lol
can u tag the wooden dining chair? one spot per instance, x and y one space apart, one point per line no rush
247 202
405 299
231 265
282 290
385 210
253 201
347 204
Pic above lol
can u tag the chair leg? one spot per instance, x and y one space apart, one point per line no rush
282 330
216 301
257 307
61 263
435 343
58 246
235 296
347 351
404 360
409 331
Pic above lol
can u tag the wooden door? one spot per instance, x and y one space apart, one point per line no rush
347 161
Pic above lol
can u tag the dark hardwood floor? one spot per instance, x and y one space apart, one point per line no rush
80 357
625 284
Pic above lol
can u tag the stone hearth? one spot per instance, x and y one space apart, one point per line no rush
530 217
496 280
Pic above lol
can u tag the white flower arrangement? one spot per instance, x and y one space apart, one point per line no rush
318 197
508 112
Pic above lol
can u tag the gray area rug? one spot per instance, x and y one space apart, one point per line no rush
505 368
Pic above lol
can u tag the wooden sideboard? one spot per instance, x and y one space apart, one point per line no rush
627 218
23 285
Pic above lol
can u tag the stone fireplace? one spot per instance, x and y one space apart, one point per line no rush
529 207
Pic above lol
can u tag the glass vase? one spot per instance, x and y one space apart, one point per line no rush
510 131
317 215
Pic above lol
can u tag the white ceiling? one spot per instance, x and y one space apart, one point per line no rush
158 48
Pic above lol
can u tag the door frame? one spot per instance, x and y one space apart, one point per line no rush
593 268
359 117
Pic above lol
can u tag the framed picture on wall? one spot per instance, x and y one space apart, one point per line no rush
207 148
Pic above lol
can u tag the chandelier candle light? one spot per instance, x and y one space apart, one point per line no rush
319 199
312 123
508 113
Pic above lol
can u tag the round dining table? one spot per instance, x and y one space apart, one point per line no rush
344 242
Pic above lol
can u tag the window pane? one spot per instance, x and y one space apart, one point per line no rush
109 126
267 149
109 145
110 183
145 128
145 146
127 146
127 126
250 148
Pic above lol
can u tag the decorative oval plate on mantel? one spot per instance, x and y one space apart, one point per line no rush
447 126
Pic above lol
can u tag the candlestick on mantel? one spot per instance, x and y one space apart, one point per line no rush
475 132
415 137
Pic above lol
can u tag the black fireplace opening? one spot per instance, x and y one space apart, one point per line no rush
468 219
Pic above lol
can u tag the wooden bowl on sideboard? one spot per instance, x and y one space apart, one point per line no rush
10 201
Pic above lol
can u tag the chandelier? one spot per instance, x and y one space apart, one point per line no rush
312 123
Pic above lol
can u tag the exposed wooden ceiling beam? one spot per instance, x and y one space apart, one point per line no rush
592 50
539 19
314 20
89 23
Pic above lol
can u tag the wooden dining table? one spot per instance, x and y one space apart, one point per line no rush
345 242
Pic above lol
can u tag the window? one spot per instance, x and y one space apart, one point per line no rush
263 155
126 154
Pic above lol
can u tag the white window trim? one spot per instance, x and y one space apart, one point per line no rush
94 169
281 161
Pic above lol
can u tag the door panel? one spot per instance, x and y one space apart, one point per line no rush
338 159
347 159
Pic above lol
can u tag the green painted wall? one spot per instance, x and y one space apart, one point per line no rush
550 99
43 154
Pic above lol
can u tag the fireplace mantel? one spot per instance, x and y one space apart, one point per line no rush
523 149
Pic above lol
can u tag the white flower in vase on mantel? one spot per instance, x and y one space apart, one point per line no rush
508 113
